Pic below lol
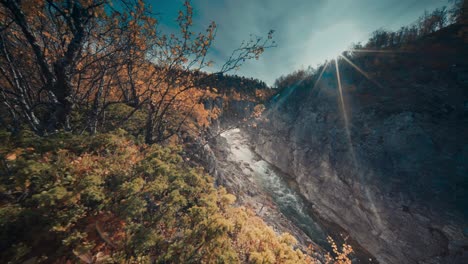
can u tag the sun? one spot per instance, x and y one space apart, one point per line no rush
330 42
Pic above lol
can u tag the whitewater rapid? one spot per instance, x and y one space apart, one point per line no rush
274 184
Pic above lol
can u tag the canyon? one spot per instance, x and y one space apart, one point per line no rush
384 160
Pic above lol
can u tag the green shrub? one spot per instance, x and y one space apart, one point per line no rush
115 113
106 199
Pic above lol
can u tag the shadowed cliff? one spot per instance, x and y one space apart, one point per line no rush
387 159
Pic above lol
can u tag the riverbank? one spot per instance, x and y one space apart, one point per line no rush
262 187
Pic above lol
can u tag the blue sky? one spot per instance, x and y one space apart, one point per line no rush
307 31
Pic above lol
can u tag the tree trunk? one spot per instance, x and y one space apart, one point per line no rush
95 110
149 134
135 100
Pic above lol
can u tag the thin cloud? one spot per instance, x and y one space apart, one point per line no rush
307 31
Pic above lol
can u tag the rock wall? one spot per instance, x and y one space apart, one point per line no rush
393 173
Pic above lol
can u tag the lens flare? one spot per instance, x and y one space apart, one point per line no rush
361 71
379 51
321 74
343 106
354 160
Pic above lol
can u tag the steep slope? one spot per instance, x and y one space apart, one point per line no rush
109 199
388 160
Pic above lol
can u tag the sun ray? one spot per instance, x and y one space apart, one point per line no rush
342 102
361 71
281 98
327 63
354 160
321 74
380 51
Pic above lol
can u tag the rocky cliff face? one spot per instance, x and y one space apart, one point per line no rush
392 172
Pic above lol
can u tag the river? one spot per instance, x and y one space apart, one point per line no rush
273 183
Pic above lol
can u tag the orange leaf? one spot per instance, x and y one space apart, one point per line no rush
11 156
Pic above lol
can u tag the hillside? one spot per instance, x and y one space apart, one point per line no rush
386 160
130 136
